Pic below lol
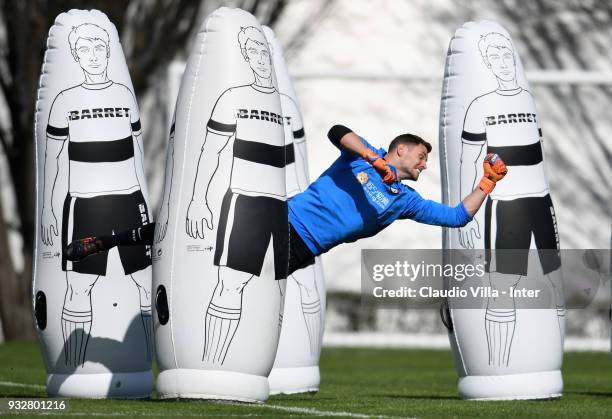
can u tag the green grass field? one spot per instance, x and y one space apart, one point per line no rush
355 383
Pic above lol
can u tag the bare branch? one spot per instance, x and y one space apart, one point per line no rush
5 146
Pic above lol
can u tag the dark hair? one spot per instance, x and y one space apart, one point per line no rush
409 139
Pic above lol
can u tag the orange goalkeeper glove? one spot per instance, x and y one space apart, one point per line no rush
494 170
379 164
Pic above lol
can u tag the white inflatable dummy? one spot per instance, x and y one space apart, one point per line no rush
501 352
93 316
296 368
222 237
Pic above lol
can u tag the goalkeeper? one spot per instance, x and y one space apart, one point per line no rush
360 194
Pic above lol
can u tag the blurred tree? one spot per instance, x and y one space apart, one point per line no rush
153 33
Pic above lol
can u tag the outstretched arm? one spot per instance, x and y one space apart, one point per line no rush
430 212
199 212
473 201
164 209
139 163
139 157
468 168
494 170
472 198
53 148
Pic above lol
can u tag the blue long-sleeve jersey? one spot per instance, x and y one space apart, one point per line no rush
349 201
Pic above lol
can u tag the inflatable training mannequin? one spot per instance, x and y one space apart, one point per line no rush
221 264
501 352
93 316
296 368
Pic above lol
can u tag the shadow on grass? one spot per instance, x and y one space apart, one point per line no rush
22 395
294 398
591 393
419 397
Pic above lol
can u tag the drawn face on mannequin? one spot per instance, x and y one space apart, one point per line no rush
92 55
501 62
258 57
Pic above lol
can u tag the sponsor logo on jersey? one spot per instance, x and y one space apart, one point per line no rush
260 115
99 113
362 177
511 118
376 196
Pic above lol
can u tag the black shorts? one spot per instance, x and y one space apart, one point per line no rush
105 215
510 225
245 227
300 255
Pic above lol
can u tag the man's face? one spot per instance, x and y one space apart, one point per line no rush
92 55
501 63
413 159
259 58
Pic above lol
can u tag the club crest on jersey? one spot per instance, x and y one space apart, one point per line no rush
394 190
362 177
